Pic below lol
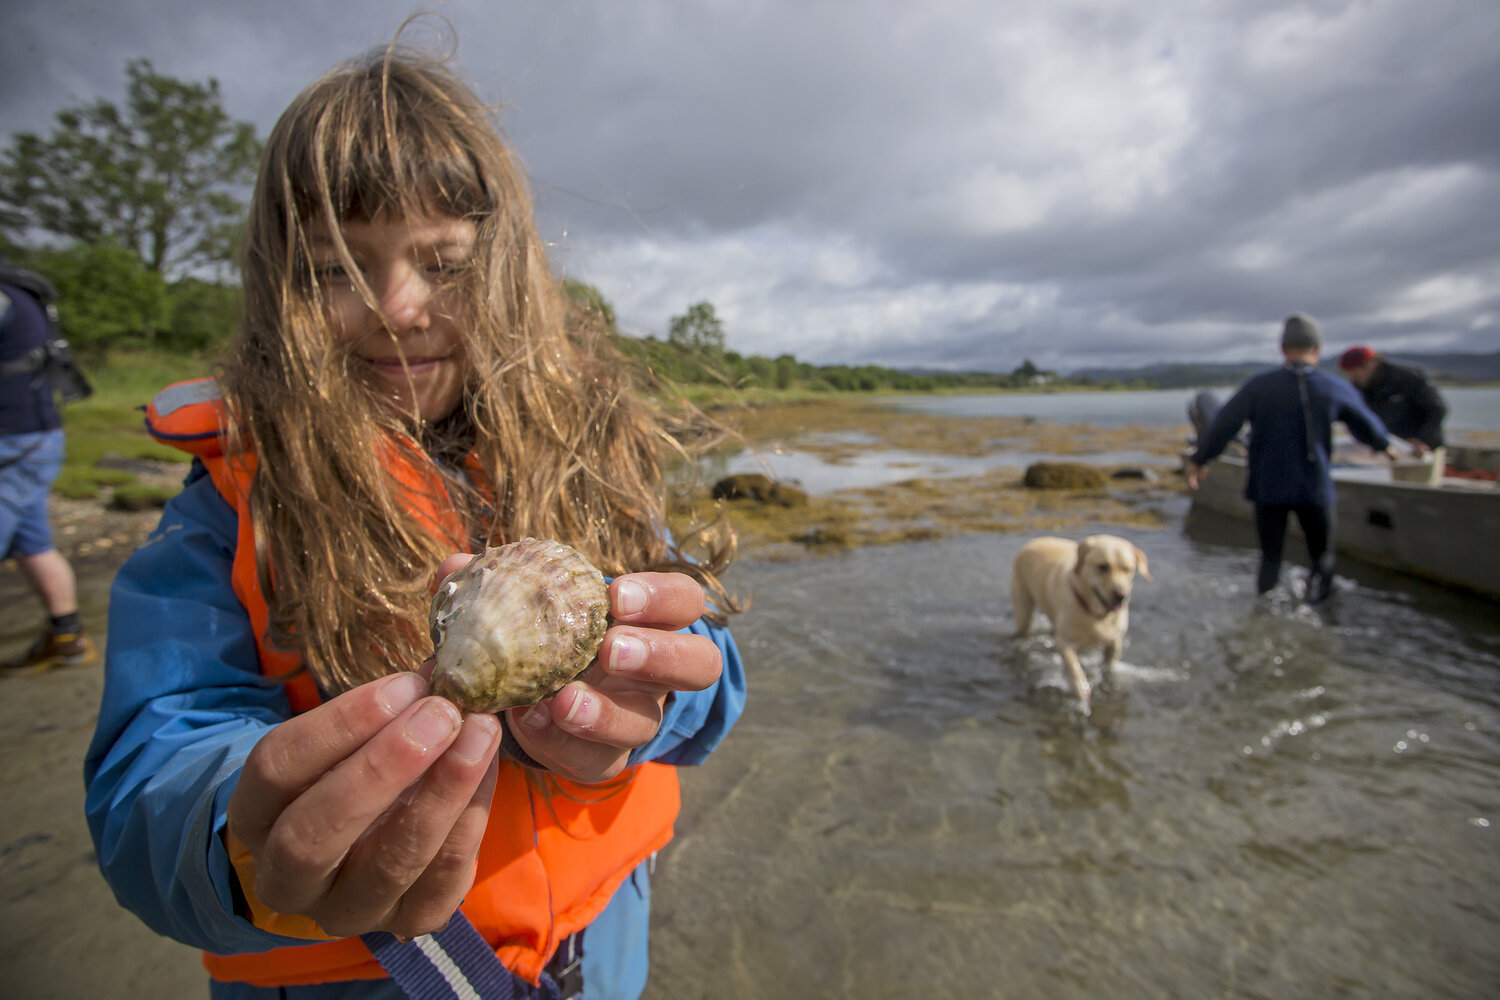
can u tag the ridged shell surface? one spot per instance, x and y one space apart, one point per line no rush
516 624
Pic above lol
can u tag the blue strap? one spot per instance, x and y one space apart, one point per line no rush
455 963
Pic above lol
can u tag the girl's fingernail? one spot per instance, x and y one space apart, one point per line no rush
401 691
476 738
433 723
585 708
537 716
630 598
627 654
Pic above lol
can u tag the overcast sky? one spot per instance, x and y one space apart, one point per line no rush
946 183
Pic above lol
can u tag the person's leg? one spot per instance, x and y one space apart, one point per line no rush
51 576
25 491
1317 527
64 642
1270 529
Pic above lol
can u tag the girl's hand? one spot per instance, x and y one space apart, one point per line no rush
586 731
366 812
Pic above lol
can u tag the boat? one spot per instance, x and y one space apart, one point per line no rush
1389 514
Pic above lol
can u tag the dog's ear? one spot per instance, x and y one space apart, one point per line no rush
1083 553
1140 562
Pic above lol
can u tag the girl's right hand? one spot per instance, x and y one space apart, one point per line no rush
366 812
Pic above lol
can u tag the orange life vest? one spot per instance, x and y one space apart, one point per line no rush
548 865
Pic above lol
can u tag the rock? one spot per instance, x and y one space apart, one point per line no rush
120 463
762 488
139 498
1140 472
831 537
1064 476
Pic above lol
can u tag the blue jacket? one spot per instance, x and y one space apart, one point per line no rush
1289 460
183 704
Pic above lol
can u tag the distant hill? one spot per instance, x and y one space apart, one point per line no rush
1453 368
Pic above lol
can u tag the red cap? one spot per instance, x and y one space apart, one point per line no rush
1356 356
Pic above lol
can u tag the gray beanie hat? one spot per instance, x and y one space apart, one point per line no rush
1301 332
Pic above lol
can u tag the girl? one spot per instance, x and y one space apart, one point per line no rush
270 780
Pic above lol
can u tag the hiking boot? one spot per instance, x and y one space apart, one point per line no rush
55 649
1319 587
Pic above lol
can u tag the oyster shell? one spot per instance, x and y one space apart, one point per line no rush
516 624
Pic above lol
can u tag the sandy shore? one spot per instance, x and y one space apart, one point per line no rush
61 933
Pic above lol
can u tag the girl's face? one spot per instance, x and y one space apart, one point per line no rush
410 265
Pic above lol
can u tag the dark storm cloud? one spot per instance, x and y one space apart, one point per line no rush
961 183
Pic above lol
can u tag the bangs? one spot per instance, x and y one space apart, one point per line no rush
388 138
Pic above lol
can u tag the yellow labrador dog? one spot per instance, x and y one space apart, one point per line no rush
1084 590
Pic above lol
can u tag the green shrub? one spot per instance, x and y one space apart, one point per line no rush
589 297
202 315
105 295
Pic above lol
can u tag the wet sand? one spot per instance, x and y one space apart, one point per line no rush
61 933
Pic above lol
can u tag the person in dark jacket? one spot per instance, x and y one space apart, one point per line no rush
1291 410
1404 399
31 454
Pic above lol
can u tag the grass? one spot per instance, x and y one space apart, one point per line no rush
111 421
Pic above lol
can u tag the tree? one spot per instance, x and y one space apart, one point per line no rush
105 294
201 314
589 297
162 177
698 328
786 371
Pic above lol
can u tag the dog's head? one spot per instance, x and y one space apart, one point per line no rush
1107 565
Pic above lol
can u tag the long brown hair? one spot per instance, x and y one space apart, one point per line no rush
565 444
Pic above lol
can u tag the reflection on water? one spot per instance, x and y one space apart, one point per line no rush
1268 802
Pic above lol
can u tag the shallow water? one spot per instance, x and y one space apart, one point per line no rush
1269 801
815 474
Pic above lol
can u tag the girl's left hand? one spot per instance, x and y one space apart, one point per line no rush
587 730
